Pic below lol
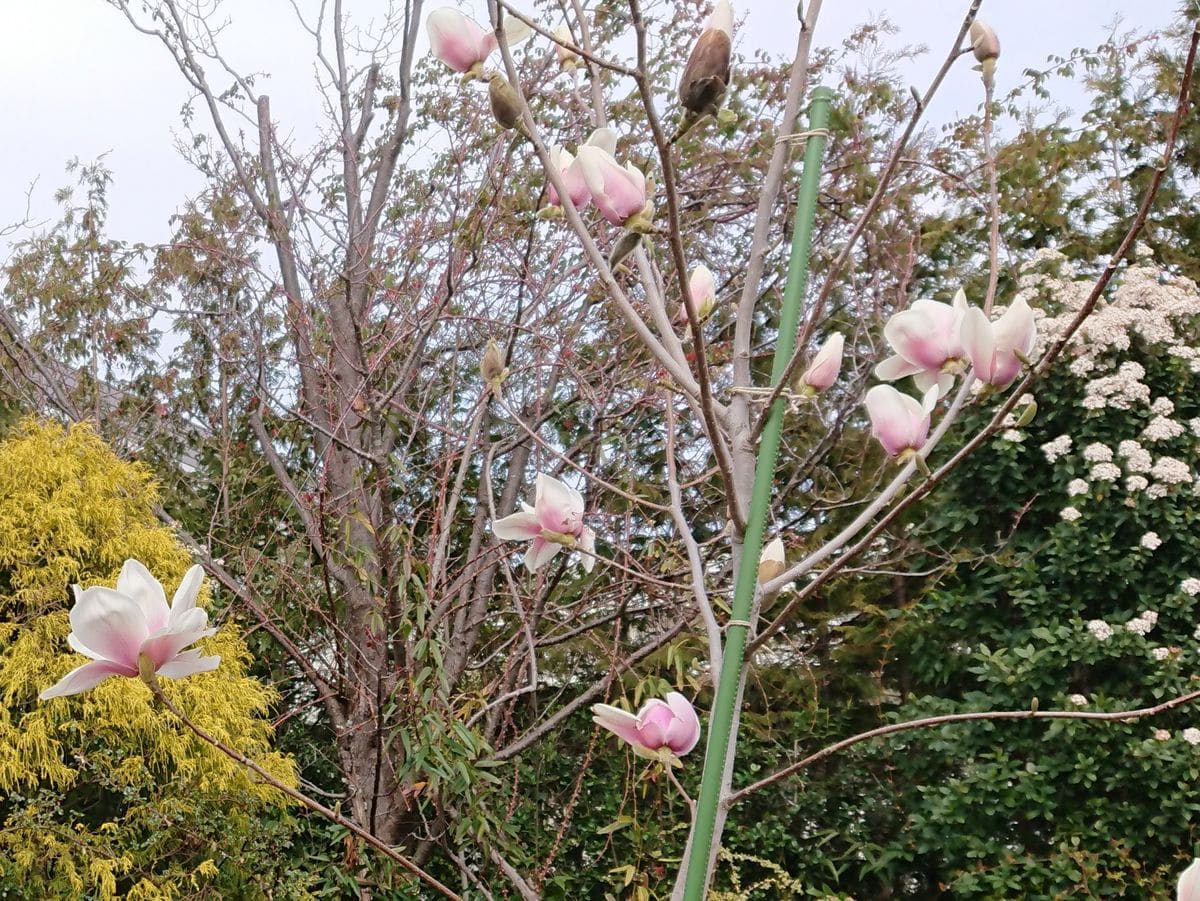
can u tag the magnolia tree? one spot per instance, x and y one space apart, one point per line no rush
498 340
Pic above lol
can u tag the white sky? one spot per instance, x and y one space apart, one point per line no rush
77 81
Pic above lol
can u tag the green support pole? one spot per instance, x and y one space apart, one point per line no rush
721 719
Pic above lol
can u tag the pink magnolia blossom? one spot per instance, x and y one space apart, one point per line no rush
661 730
995 348
571 169
823 371
120 628
702 295
899 422
618 193
463 44
1189 883
553 522
928 343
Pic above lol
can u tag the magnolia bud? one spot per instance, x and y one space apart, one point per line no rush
491 365
706 75
771 562
984 42
624 246
506 105
567 58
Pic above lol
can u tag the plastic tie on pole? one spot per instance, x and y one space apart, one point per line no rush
802 136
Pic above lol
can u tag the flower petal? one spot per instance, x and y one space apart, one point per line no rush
540 552
185 595
86 677
110 623
559 508
517 527
894 368
136 582
620 723
587 544
188 664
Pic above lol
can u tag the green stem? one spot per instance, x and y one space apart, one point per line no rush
721 719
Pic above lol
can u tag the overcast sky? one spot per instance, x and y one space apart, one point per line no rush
77 81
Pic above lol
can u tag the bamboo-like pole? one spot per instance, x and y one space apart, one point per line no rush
721 718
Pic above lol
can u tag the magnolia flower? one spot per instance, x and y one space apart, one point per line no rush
553 522
899 422
661 730
926 339
771 561
131 626
702 295
1189 883
996 348
823 370
618 193
463 44
571 171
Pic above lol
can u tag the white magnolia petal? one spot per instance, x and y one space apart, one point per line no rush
136 582
540 553
517 527
110 623
188 664
86 677
185 595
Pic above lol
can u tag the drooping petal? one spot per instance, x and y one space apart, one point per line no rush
517 527
136 582
587 544
896 367
86 677
621 723
188 664
540 553
110 623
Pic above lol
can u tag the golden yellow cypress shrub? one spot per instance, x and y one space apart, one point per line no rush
103 794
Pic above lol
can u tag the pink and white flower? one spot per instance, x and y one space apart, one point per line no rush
553 522
120 628
996 348
661 730
571 171
928 344
823 371
702 295
618 193
899 422
462 43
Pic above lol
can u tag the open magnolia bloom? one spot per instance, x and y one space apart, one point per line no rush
996 348
661 730
463 44
121 628
899 422
619 193
553 522
928 343
571 169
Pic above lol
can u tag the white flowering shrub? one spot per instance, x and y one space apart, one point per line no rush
1084 594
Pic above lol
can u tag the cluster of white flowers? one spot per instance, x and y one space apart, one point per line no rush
1105 472
1100 630
1160 654
1162 428
1150 541
1162 735
1162 406
1136 457
1069 514
1122 391
1171 471
1194 425
1056 448
1077 700
1191 736
1190 587
1097 453
1136 483
1196 634
1077 486
1013 435
1143 623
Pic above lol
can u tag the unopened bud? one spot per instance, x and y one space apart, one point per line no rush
771 562
984 43
491 365
506 105
567 58
626 244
